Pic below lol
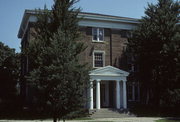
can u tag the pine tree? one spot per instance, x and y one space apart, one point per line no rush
56 71
155 49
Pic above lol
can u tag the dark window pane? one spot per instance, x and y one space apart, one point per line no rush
129 92
98 59
94 33
136 93
94 37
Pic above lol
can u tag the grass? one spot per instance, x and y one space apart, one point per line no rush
83 118
152 111
167 120
101 121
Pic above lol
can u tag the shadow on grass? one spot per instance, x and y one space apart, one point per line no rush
169 120
23 115
151 111
26 114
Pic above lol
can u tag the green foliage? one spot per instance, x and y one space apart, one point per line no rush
5 52
9 74
171 98
155 46
53 55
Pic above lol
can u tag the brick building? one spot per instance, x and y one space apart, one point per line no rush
106 39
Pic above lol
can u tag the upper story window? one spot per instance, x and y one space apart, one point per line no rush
98 34
131 67
98 59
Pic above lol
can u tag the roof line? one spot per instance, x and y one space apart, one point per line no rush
28 11
85 15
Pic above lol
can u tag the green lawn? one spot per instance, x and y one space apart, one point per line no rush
101 121
87 118
83 118
167 120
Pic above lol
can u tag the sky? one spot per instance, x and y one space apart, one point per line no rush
11 13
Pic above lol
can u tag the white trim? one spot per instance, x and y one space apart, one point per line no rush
106 78
104 54
115 71
89 19
108 73
108 18
98 94
107 24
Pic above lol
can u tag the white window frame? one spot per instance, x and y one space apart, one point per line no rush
98 51
97 35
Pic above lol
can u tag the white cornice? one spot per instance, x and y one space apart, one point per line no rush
88 19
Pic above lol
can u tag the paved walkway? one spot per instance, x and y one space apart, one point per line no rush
128 119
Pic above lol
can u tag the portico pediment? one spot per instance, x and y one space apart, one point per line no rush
108 71
108 74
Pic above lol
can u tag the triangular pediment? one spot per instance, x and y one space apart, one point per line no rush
109 71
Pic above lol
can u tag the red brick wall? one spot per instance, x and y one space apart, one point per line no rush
118 43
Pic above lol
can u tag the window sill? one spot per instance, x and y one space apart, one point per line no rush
134 100
98 41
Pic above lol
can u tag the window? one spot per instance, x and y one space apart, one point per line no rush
133 92
98 34
98 59
129 88
131 67
136 90
125 33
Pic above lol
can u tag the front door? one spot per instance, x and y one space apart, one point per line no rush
103 96
111 94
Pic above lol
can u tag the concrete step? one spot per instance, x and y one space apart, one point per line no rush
109 113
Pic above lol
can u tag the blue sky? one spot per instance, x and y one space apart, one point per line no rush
11 13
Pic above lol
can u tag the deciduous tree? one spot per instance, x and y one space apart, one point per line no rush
9 75
155 46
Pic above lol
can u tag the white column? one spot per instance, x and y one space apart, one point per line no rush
98 102
117 94
91 94
124 95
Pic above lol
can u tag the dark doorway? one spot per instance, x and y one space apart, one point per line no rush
103 96
111 94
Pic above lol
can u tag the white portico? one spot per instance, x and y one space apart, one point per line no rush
104 77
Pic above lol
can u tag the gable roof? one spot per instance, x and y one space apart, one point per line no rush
108 71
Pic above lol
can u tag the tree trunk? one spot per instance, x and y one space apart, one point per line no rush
54 119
